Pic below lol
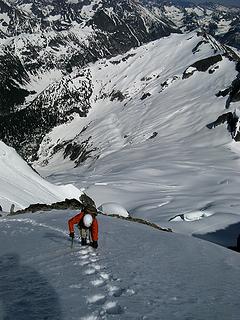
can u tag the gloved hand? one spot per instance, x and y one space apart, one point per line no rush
71 235
94 244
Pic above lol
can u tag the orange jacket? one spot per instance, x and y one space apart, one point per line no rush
76 219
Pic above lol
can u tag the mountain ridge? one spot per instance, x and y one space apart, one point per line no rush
44 51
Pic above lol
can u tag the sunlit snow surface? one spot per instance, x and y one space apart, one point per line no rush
185 170
155 155
21 186
113 208
136 273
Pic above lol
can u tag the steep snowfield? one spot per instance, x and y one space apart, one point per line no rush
21 186
152 152
136 273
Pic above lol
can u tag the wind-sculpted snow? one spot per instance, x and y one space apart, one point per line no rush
136 273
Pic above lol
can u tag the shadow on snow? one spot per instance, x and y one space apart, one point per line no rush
224 237
24 293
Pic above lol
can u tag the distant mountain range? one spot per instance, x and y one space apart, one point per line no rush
46 45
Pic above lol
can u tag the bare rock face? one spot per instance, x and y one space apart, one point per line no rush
67 204
230 118
71 204
201 65
234 91
232 121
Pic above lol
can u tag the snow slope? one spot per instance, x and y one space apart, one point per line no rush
152 152
21 186
136 273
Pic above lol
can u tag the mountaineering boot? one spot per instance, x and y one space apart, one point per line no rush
83 241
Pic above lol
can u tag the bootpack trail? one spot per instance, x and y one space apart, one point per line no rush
136 272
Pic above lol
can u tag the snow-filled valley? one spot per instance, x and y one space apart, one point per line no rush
145 145
150 149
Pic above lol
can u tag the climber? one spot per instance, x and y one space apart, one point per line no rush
87 224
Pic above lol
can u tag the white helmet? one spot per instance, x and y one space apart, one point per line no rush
87 220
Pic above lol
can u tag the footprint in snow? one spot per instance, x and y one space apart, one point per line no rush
97 282
112 307
84 252
96 299
115 291
93 254
84 257
89 259
104 275
97 267
81 263
89 271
